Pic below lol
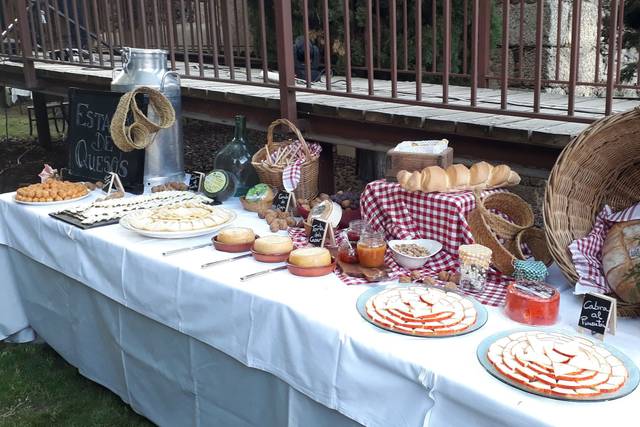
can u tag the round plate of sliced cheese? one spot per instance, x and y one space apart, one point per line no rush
180 220
558 365
421 311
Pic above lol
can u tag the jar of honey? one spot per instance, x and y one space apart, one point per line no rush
371 248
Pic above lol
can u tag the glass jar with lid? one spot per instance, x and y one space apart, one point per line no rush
371 248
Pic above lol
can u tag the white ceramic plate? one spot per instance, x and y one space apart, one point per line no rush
412 262
60 202
175 234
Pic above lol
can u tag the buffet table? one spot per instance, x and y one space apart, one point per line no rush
191 346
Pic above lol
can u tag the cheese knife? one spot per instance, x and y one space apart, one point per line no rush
190 248
260 273
220 261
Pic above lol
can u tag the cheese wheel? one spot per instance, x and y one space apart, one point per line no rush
273 245
236 235
310 257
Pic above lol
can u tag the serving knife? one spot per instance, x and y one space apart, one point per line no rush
190 248
260 273
220 261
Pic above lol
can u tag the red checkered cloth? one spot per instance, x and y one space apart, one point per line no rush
291 172
437 216
587 252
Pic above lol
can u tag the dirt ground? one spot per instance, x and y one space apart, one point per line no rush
22 159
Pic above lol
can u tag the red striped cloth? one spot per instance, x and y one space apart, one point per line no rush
411 215
291 172
587 252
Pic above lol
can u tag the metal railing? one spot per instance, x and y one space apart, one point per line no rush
387 50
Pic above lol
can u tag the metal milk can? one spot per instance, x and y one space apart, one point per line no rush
164 159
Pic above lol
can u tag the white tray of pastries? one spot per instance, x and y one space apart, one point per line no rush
181 220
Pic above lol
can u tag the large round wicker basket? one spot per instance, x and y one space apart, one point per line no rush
600 166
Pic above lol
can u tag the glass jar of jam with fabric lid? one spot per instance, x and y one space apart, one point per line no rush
371 248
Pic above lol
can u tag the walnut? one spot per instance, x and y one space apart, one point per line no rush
274 227
404 279
443 276
415 274
450 286
429 281
282 224
455 278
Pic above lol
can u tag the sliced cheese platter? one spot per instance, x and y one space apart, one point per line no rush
421 310
558 365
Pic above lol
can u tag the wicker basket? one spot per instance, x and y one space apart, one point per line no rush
600 166
272 174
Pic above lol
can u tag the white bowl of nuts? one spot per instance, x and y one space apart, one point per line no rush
412 254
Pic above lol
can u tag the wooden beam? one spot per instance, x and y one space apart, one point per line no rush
42 119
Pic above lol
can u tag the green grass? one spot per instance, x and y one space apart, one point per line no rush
18 124
38 388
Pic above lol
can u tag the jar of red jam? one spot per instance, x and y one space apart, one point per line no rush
532 303
347 253
356 227
371 248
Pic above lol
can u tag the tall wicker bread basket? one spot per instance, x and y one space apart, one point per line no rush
600 166
272 174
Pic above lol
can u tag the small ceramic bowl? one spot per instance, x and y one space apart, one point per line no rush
312 271
232 247
270 257
412 262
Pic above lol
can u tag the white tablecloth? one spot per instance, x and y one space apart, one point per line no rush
306 332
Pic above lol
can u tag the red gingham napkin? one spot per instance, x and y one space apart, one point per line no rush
587 252
436 216
291 172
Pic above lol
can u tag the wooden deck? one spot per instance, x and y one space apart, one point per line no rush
407 120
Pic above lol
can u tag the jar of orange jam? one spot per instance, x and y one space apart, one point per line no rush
371 248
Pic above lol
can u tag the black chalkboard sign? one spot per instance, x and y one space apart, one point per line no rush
595 313
92 153
318 232
281 200
196 179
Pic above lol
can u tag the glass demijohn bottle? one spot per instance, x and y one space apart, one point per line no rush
235 158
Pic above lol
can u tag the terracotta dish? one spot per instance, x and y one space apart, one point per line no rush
312 271
269 258
232 247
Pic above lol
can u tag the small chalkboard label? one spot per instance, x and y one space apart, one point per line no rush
196 179
318 232
281 201
597 313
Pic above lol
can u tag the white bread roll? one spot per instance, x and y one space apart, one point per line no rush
273 245
499 176
479 173
236 235
310 257
434 179
458 175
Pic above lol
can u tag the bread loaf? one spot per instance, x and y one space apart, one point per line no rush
458 178
620 258
434 178
479 173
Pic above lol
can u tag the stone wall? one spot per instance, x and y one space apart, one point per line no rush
554 44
